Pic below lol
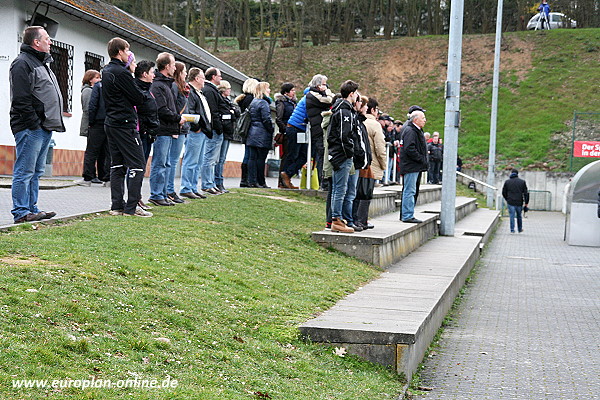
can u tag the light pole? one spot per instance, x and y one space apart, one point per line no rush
452 120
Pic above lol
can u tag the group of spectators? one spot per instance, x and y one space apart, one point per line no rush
135 107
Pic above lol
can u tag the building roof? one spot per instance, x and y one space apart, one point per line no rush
160 38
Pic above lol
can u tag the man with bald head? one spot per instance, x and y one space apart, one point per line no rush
413 160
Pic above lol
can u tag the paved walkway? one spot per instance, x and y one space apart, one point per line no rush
77 200
529 324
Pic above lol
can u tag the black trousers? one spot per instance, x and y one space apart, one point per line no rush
317 153
127 158
97 157
256 165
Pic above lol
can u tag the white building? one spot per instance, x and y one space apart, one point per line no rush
80 31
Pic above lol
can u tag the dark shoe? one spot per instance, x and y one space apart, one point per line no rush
200 195
222 189
244 180
328 226
263 186
369 226
190 195
48 214
160 202
144 206
413 220
211 191
96 180
174 198
357 228
31 217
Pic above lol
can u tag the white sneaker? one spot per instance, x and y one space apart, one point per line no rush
139 213
83 182
115 212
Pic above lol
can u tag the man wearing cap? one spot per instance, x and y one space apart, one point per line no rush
515 193
413 160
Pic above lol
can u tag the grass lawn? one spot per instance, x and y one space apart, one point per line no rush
209 293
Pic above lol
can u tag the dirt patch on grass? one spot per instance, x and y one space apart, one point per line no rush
15 260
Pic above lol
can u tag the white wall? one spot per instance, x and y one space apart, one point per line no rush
9 20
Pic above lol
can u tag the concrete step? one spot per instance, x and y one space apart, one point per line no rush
391 240
392 319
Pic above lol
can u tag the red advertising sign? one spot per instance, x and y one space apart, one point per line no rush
586 149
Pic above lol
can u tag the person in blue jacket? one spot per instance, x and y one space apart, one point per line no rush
296 156
260 135
545 8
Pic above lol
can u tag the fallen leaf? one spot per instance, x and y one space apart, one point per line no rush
262 395
32 290
163 339
340 351
239 339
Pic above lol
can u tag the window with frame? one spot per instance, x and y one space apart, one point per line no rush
62 66
93 61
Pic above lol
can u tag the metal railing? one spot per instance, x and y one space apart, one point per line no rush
498 195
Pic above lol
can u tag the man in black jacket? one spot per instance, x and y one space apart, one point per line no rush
35 111
413 160
343 129
212 147
170 121
120 95
515 193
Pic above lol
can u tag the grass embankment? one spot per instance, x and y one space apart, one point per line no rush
534 111
209 293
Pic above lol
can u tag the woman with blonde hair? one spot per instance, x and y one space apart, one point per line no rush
243 101
260 135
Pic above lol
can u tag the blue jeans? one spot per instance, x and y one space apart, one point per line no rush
174 154
192 160
212 150
515 211
32 148
159 167
408 195
340 186
349 198
221 163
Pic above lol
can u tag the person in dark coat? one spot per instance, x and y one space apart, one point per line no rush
318 99
229 114
148 112
285 102
121 95
212 147
243 101
260 135
343 131
436 156
35 112
413 161
515 193
170 123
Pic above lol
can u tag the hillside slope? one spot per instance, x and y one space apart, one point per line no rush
545 77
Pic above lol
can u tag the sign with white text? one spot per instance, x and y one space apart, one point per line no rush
586 149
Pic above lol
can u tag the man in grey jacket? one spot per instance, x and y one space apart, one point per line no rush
35 111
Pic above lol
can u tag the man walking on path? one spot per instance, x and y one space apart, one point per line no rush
515 193
413 160
35 111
